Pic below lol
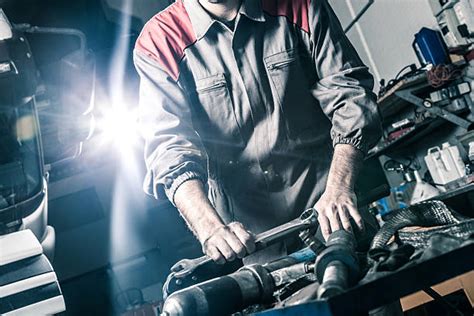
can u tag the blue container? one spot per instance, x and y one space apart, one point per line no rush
430 48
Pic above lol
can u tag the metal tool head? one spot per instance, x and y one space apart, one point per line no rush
306 220
310 214
186 267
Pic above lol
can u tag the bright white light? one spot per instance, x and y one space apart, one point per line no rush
5 27
119 125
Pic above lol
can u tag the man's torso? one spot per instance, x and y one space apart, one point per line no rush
267 139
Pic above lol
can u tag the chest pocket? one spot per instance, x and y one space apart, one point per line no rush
219 123
290 84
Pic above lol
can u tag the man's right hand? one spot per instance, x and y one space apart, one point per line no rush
220 242
227 242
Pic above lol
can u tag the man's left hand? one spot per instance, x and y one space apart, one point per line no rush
335 208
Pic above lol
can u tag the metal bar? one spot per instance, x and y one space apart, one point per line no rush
408 96
284 231
58 31
359 16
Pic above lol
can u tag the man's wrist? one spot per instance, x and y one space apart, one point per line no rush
348 188
206 227
197 210
344 167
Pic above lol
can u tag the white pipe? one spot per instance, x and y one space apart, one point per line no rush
373 66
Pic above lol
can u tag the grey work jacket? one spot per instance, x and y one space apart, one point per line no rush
254 112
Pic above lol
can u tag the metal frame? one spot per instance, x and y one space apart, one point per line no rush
408 96
359 16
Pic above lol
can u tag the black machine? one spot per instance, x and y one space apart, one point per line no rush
29 112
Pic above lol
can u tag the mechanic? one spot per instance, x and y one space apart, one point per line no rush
253 111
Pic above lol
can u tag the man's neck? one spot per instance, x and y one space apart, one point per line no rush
225 9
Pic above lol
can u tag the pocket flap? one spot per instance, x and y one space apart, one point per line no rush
210 83
281 59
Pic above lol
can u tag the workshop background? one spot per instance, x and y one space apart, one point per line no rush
115 245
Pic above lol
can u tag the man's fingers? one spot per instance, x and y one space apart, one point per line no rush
325 227
237 247
225 249
229 242
356 216
345 218
246 238
215 255
334 219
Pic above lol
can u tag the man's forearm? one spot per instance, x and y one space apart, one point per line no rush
193 204
345 167
338 204
220 242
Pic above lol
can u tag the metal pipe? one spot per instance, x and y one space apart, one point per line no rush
359 15
222 296
292 273
59 31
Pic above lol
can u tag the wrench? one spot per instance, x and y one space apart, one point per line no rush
308 219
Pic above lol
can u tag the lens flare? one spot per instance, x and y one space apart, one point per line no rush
119 125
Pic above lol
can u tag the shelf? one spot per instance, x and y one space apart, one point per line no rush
390 104
413 134
454 193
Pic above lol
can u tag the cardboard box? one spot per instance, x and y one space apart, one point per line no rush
463 282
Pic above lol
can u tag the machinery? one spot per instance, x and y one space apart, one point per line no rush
456 21
334 278
336 268
28 283
202 287
25 239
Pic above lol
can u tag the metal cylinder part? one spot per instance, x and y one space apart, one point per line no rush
335 280
292 273
340 247
222 296
337 266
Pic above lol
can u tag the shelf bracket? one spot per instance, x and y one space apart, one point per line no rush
408 96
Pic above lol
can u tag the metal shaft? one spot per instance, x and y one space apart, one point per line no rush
334 280
337 266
